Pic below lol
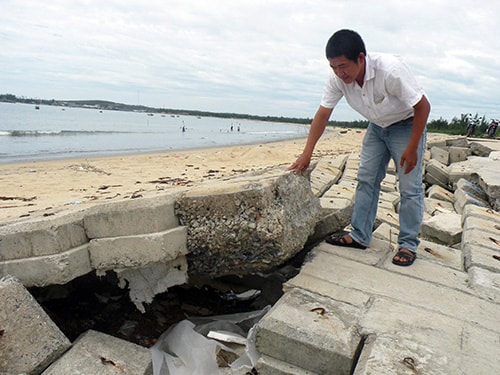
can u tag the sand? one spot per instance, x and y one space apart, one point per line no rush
45 188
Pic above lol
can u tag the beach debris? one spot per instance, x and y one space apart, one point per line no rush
23 199
136 194
105 187
177 181
88 168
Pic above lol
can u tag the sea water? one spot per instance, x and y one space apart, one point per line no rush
29 132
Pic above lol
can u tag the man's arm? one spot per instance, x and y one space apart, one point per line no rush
317 128
421 112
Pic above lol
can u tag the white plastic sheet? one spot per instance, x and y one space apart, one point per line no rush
184 348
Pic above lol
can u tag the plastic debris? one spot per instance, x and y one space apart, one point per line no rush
186 349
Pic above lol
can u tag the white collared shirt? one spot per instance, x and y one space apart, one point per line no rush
388 94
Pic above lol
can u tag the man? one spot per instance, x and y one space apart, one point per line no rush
382 89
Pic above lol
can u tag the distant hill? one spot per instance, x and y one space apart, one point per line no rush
112 106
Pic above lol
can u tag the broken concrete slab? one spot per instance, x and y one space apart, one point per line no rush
97 353
29 339
247 224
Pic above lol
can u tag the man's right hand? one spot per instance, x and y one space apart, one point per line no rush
301 164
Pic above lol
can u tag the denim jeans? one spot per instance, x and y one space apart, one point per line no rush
379 146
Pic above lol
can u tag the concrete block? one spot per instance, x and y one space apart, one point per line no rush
353 161
485 283
273 211
487 226
392 198
436 143
436 206
97 353
437 173
326 173
351 174
137 251
41 237
482 213
481 251
391 355
438 192
29 340
49 269
459 170
271 366
438 344
348 183
458 154
443 228
387 216
310 331
489 180
389 183
457 142
464 198
481 149
441 155
131 217
470 189
339 191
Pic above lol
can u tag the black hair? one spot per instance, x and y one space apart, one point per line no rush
346 43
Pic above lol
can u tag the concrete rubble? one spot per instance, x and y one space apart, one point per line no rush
346 312
248 224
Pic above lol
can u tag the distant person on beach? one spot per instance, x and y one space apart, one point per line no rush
382 88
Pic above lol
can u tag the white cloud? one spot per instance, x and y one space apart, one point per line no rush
249 56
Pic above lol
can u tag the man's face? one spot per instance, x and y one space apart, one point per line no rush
347 70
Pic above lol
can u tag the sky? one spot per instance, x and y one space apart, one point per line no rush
260 57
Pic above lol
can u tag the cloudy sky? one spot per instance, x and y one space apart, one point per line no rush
263 57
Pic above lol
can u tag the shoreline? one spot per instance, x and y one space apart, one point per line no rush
37 189
120 154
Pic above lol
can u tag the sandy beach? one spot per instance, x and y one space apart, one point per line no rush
38 189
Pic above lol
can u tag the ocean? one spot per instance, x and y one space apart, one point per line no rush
30 133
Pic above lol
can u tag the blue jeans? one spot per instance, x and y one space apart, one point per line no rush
379 146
